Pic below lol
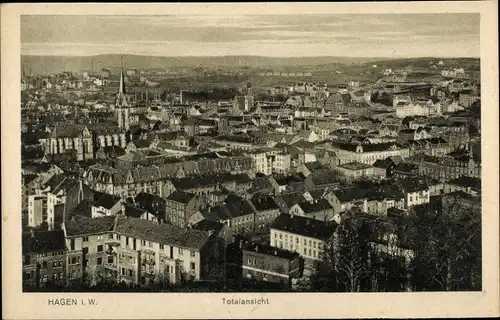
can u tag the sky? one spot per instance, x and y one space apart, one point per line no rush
363 35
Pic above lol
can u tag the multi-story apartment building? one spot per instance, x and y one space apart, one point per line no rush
37 210
282 163
446 168
137 251
305 236
44 259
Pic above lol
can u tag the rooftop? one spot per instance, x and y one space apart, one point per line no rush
355 165
304 226
79 226
161 233
43 241
272 251
181 196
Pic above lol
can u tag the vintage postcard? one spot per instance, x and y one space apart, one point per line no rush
250 160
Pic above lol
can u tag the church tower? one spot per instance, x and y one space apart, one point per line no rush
121 104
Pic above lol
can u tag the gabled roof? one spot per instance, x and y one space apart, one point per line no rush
150 202
383 163
106 201
264 202
133 211
237 206
84 209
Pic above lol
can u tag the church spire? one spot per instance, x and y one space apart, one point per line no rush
121 89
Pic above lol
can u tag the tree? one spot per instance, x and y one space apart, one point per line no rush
348 259
447 243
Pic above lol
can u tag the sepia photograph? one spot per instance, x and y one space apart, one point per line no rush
235 152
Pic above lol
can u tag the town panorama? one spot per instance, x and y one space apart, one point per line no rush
241 173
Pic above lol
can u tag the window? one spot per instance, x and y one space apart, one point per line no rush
85 239
73 260
193 254
72 244
305 251
54 264
44 264
192 266
162 246
100 237
111 260
126 241
110 236
99 248
180 250
297 240
123 271
143 243
118 237
59 264
99 261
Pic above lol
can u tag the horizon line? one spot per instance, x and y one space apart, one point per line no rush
250 55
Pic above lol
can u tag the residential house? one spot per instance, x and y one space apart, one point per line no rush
105 205
266 209
355 170
153 207
469 185
319 209
180 206
416 191
383 168
269 264
405 170
307 237
345 199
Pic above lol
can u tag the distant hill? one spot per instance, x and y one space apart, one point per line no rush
466 63
54 64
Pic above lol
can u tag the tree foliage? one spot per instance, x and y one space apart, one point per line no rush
447 244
